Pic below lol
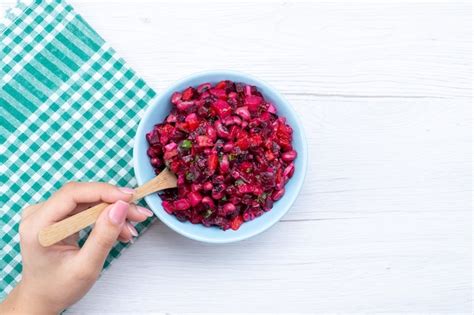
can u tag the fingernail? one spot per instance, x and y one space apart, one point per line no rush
145 211
118 212
132 229
127 190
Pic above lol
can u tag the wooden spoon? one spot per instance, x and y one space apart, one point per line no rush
73 224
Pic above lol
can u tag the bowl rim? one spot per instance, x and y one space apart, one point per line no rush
220 72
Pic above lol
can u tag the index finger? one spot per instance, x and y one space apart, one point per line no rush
66 199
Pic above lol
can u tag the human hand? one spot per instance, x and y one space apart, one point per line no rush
55 277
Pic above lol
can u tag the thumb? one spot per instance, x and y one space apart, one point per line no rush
104 234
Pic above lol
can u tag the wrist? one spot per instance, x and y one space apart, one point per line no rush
21 301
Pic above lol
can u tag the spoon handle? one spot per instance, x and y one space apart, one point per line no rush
73 224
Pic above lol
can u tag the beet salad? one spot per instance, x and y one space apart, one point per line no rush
230 150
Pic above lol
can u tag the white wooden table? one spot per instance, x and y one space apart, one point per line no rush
383 223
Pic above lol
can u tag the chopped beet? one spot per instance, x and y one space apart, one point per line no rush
230 150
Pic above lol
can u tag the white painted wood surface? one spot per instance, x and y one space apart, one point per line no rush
384 221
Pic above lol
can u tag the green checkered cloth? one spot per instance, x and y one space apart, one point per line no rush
69 108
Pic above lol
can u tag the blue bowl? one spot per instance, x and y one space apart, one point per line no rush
157 112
